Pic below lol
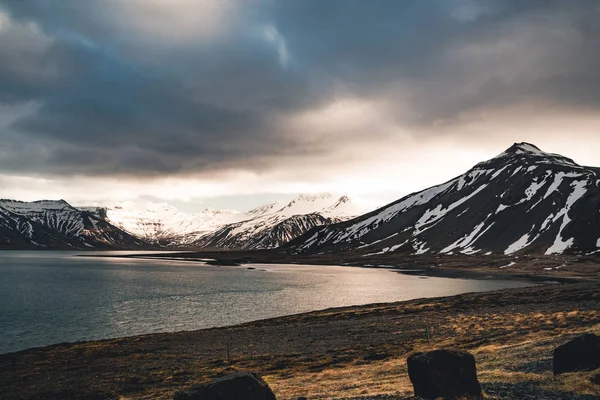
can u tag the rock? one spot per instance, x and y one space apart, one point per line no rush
450 374
238 386
579 354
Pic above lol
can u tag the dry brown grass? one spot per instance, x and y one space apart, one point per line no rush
376 378
523 359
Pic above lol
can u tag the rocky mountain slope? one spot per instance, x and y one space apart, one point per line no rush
523 200
274 224
57 225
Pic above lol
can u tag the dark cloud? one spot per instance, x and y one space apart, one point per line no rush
108 99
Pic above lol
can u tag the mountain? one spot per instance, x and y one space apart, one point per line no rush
267 226
274 224
57 225
522 201
164 224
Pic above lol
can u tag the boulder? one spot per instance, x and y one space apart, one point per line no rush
579 354
450 374
238 386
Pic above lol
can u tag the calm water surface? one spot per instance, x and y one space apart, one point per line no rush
51 297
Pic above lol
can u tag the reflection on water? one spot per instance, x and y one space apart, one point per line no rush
49 297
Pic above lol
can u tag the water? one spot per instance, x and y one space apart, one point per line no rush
49 297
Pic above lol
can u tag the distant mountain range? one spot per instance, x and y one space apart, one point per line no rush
266 226
58 225
522 201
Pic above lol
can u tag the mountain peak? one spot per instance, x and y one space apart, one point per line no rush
524 150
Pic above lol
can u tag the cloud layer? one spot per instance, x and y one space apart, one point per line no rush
148 88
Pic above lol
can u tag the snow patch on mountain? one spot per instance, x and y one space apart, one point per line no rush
560 245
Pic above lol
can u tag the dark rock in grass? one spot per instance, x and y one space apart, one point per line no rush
238 386
595 379
450 374
579 354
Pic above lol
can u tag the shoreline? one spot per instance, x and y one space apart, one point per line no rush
321 353
531 280
439 272
278 319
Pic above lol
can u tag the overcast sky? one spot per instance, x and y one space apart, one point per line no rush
215 102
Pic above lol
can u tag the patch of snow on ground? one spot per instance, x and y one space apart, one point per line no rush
558 180
377 241
518 245
422 249
501 207
533 188
560 245
467 241
497 173
397 246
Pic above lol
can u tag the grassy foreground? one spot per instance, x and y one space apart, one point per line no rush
355 352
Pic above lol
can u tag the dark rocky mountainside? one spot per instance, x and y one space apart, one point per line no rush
49 224
272 225
523 200
265 234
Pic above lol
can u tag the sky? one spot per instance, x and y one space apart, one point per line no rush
231 104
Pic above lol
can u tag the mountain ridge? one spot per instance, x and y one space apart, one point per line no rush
55 224
265 226
475 213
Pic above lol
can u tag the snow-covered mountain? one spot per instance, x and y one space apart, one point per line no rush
523 200
272 225
162 223
56 224
266 226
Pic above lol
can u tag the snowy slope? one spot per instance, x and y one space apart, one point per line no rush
160 222
274 224
263 227
56 224
523 200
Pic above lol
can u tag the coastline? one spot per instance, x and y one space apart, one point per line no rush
535 269
322 353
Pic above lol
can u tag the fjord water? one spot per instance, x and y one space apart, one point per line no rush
48 297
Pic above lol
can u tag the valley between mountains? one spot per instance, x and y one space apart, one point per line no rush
522 202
